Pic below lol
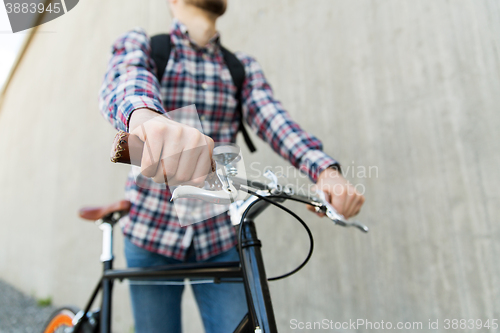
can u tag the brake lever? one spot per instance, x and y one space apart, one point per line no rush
220 188
227 196
225 192
333 215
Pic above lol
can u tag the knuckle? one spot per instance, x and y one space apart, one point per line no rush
197 139
162 126
175 133
191 132
208 140
194 132
159 129
200 138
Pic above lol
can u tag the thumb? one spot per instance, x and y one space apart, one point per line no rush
337 200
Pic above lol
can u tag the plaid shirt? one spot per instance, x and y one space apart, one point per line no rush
195 75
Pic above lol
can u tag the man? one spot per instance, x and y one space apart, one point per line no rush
132 98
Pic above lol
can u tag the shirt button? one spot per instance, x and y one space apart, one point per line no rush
202 118
204 86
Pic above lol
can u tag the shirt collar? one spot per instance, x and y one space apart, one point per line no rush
180 37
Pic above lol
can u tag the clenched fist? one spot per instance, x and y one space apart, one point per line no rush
339 193
173 153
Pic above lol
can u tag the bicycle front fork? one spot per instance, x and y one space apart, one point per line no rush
260 307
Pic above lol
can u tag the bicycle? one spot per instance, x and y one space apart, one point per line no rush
223 186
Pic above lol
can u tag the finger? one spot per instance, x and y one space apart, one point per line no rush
210 143
350 204
203 167
357 202
189 160
187 166
356 212
171 153
166 173
338 198
204 164
361 201
151 153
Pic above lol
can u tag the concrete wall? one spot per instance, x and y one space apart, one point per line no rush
409 88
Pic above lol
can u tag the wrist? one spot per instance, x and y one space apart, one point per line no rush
335 166
139 116
332 171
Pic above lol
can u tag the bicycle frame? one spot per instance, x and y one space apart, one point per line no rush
250 270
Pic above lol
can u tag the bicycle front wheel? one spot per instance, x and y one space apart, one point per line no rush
60 320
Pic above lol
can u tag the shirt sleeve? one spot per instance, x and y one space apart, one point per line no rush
272 123
129 82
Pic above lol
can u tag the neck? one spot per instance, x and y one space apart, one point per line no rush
200 24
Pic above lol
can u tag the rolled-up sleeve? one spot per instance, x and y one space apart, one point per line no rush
272 123
129 82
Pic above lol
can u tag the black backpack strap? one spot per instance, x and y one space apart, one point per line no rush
237 71
160 53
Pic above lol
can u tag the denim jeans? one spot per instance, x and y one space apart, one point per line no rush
157 307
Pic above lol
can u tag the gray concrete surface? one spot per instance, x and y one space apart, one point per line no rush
20 313
409 88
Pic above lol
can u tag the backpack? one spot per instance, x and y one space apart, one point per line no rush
160 52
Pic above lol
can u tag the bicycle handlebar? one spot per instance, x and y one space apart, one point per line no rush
127 149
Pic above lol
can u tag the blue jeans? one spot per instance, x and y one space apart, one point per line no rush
157 308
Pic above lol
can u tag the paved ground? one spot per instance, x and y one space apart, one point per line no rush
20 313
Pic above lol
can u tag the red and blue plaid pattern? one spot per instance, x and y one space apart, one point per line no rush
195 75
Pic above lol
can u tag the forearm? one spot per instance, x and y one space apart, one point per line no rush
129 83
304 151
273 124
